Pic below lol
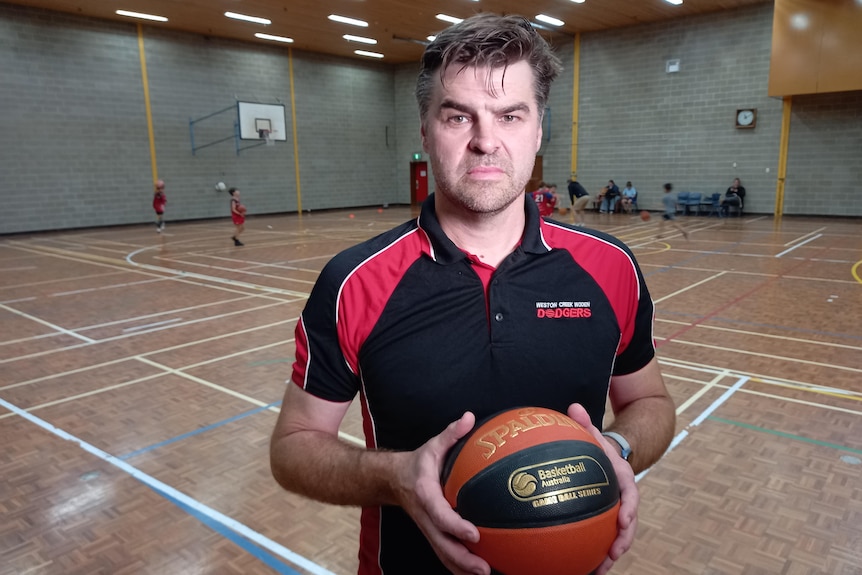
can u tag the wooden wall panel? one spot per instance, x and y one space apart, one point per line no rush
816 47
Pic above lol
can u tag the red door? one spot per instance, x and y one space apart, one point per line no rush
418 182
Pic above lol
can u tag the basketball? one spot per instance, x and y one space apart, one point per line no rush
645 215
241 209
539 488
221 187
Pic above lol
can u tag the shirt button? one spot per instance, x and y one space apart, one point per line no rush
499 317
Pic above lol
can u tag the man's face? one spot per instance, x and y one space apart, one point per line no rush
483 146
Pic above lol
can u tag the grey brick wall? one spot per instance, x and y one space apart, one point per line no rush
74 148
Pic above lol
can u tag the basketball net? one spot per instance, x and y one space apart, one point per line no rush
268 137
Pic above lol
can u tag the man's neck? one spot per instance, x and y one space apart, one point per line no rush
490 237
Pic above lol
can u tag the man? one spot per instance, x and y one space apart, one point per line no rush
433 323
609 198
579 197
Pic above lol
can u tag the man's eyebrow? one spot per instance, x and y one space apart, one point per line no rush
448 104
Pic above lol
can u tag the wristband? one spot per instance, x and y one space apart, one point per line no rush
624 445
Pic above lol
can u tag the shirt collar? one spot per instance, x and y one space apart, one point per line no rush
444 251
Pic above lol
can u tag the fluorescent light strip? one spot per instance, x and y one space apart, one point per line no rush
578 1
139 15
345 20
447 18
273 38
369 54
676 2
362 39
549 20
254 19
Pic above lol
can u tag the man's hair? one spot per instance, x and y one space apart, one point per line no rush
488 40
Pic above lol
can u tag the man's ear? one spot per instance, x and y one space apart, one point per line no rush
424 137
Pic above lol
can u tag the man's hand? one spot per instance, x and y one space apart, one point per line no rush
418 490
627 521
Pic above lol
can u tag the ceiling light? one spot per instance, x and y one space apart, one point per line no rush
273 38
369 54
345 20
451 19
144 16
431 38
364 40
676 2
254 19
578 1
549 20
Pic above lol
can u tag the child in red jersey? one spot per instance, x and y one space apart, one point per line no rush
546 199
237 214
159 201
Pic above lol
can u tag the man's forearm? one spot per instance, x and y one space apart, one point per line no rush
648 425
320 466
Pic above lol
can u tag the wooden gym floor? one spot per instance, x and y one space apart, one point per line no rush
141 374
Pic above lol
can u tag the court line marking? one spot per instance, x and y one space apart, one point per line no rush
169 492
107 287
48 324
168 312
769 335
707 387
201 381
58 280
135 334
799 239
697 421
787 435
87 393
768 355
694 285
799 245
149 325
233 270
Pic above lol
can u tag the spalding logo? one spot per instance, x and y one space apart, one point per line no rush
524 484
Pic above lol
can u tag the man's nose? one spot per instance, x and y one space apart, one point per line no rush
485 139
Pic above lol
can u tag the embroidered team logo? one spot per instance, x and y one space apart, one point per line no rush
563 309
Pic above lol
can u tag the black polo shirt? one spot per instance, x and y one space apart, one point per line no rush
403 320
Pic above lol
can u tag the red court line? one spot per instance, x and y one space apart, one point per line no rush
737 300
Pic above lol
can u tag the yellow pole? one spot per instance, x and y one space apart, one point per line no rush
576 87
149 111
782 155
295 140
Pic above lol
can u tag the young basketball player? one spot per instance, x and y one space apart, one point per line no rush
159 201
237 214
669 214
425 321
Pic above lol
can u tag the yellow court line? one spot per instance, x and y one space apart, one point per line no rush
839 395
703 391
854 271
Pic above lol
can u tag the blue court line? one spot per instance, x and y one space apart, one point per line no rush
260 554
787 435
197 431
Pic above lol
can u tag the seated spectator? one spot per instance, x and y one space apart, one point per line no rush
733 197
546 199
629 198
609 198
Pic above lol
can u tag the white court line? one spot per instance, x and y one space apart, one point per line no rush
46 323
788 250
157 314
17 300
20 269
149 325
701 392
694 285
243 271
165 489
698 420
113 286
800 238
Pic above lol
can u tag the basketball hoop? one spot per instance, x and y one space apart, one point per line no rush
267 137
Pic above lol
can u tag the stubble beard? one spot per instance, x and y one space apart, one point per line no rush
482 197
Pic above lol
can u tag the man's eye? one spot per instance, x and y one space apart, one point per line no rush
509 118
458 119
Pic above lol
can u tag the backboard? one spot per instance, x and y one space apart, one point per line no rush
257 119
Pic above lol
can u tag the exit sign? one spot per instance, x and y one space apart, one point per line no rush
417 155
